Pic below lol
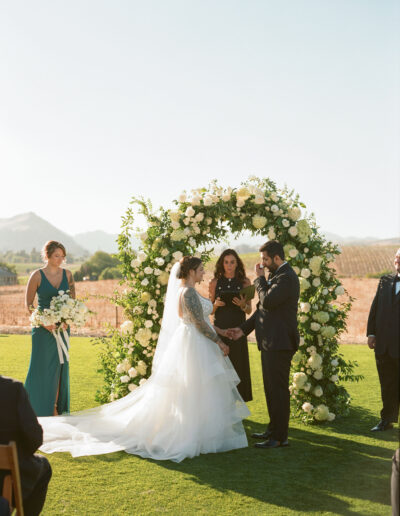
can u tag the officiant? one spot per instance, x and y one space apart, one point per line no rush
230 309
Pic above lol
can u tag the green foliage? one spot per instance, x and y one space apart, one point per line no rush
8 267
110 273
197 222
94 267
22 256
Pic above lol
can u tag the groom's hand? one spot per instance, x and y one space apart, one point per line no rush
235 333
260 271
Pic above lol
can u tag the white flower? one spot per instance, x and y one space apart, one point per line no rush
195 200
182 197
339 291
307 407
126 327
175 215
299 380
189 212
259 221
226 197
312 350
293 252
142 381
209 221
304 284
132 372
328 332
143 336
316 282
132 387
199 217
243 193
335 362
120 368
148 323
318 392
331 416
208 200
275 209
294 213
292 231
315 265
307 387
304 230
145 297
303 318
271 233
125 379
321 317
296 269
334 378
178 255
305 307
164 252
141 256
148 270
318 375
302 341
321 413
240 203
175 224
285 223
315 326
163 278
305 273
160 261
192 241
135 262
259 199
143 236
144 282
274 197
178 235
315 361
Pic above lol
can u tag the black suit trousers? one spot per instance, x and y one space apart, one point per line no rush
388 371
276 369
33 503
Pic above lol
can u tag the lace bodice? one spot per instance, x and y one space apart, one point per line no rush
195 310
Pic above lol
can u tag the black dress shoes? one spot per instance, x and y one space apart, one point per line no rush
264 435
382 426
271 443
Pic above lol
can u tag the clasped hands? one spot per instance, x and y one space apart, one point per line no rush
232 333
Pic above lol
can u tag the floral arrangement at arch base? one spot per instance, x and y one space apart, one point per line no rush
200 219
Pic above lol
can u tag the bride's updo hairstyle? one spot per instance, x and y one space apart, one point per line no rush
49 248
188 263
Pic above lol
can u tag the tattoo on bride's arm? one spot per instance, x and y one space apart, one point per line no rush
195 311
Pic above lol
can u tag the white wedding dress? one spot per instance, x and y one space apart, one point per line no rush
189 405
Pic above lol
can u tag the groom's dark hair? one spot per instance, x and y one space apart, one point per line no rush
273 248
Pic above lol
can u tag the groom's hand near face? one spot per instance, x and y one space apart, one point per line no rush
259 270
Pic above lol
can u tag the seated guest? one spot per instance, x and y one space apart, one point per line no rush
4 507
19 423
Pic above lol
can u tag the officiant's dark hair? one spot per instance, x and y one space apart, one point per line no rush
188 263
273 248
219 266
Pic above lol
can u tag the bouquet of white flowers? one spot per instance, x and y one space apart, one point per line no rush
63 310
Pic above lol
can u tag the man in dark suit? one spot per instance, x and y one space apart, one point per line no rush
275 323
19 423
383 331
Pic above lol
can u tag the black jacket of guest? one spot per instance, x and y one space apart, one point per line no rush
275 319
18 423
383 320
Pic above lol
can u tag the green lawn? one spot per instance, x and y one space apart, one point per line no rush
340 468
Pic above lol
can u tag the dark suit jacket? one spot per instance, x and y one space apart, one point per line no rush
383 320
275 319
19 423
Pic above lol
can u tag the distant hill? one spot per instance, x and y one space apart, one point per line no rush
27 231
97 241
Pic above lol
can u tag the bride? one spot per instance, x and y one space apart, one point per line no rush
189 405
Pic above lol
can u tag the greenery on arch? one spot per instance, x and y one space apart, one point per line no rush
199 220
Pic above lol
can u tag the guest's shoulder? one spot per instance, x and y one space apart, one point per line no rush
10 383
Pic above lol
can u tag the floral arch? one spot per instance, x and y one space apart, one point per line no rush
199 220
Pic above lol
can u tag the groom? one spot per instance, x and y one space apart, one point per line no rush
275 322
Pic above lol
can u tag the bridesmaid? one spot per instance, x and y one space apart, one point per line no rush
230 276
47 382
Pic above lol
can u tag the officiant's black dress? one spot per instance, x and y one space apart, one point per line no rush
231 316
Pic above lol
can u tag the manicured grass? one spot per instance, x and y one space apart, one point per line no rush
339 468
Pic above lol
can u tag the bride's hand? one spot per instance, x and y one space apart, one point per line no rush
224 348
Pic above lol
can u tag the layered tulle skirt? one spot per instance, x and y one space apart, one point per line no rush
188 406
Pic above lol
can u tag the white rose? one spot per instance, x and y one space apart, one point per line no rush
271 233
174 215
292 231
195 200
293 252
148 270
126 327
318 375
304 284
120 368
199 217
321 413
142 381
189 212
334 378
321 317
328 332
164 252
318 392
315 326
331 416
325 291
259 221
307 407
148 324
192 241
315 265
274 197
307 387
339 291
208 200
226 197
135 262
182 197
160 261
303 318
132 387
305 307
259 199
285 223
275 209
299 380
124 379
315 361
144 282
141 256
132 372
335 362
296 269
294 213
141 367
175 224
316 282
178 255
305 273
240 203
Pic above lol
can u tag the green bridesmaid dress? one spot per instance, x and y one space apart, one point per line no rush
46 374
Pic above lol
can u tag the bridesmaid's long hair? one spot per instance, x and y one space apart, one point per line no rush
219 266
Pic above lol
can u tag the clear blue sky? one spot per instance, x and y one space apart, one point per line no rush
102 100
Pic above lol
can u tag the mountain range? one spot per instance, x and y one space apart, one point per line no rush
27 231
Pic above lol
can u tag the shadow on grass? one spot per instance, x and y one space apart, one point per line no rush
313 474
